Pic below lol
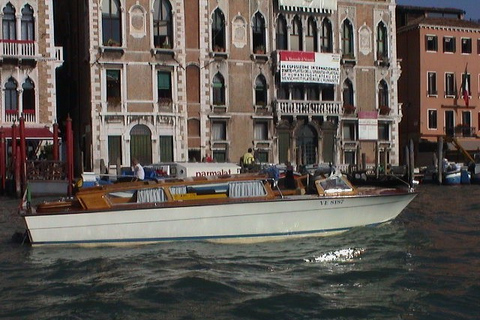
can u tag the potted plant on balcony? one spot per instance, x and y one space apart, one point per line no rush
384 110
113 43
348 109
260 49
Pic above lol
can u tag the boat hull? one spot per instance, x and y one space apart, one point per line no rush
293 216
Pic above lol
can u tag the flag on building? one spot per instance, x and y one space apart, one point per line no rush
465 87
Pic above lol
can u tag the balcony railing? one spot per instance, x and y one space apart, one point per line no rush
18 48
14 116
460 131
308 108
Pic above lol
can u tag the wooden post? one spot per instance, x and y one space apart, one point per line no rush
55 142
412 163
3 166
23 155
440 160
18 180
407 162
69 135
13 162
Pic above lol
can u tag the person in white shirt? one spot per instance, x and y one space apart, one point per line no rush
138 169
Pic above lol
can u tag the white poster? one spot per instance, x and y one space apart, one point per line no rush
310 67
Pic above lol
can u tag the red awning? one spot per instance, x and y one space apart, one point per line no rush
30 133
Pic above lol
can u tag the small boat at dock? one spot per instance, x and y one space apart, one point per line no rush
230 208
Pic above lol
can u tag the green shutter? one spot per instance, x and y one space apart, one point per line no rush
163 80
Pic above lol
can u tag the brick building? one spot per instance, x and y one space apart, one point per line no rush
28 63
296 80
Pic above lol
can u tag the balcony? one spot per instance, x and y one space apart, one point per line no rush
307 108
12 116
460 131
18 49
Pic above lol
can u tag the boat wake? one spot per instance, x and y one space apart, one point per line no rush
341 255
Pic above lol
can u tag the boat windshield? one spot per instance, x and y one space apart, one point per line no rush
335 184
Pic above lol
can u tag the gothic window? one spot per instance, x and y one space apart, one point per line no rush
27 23
326 36
383 95
260 91
382 44
258 33
111 23
348 93
28 96
282 33
311 42
162 24
347 39
218 31
8 23
218 90
11 96
296 35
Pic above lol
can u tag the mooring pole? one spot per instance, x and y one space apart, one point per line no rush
440 160
3 166
55 142
23 155
69 135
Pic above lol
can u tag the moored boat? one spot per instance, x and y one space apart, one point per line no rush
235 208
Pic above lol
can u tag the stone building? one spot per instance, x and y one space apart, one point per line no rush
175 80
28 62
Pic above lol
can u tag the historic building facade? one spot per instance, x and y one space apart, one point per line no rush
28 62
295 80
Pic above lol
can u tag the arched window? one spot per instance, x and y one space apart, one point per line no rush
347 39
260 91
8 23
162 24
28 96
282 35
218 90
11 96
382 41
296 35
311 37
383 95
111 23
348 93
28 23
218 30
326 36
258 33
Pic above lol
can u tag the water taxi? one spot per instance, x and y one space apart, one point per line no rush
229 208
